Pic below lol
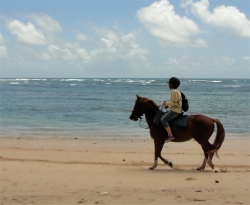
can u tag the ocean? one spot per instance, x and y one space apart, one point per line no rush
101 107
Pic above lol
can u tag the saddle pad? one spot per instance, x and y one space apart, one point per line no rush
158 116
180 122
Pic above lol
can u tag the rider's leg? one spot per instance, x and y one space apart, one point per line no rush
167 117
168 129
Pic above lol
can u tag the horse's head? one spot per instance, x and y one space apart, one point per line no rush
139 108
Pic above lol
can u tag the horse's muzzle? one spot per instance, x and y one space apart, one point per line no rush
132 117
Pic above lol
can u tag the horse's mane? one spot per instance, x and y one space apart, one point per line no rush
151 102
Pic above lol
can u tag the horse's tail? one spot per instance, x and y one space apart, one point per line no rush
220 136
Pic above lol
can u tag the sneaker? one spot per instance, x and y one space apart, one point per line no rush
171 138
168 139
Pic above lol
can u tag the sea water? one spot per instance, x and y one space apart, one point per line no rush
101 107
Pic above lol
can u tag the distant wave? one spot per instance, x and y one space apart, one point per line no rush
132 81
206 81
73 79
27 79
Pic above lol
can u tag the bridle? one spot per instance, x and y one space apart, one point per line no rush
138 116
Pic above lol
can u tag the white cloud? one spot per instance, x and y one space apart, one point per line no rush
162 21
227 17
26 33
46 22
200 43
246 58
108 43
81 36
3 51
133 48
64 54
227 61
84 55
1 39
44 56
109 46
106 33
124 47
129 37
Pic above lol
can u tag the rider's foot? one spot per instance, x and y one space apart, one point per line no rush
169 138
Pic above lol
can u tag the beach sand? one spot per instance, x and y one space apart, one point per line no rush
100 170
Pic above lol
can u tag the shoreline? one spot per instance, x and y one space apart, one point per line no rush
144 134
97 170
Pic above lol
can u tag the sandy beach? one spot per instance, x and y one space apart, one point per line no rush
101 170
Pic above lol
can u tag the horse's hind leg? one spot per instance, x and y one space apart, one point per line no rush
202 167
209 161
207 156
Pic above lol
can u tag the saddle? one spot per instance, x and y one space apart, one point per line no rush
178 122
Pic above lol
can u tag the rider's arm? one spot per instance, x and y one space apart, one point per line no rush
175 97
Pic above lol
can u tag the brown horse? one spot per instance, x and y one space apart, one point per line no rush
199 128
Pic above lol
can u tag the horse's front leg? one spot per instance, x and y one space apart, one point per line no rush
166 161
158 148
155 163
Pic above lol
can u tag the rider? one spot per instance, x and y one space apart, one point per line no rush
174 106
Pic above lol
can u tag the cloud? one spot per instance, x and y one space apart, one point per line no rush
3 52
133 48
46 22
162 21
1 39
227 60
84 55
106 33
3 49
81 36
26 33
247 58
58 53
200 43
227 17
114 46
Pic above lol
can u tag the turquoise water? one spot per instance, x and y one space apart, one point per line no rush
83 107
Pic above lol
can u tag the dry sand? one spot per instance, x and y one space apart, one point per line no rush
115 171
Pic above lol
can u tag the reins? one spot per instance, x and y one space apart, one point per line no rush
160 107
141 126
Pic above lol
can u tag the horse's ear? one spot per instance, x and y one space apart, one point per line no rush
138 97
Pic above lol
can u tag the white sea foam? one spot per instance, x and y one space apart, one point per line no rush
30 79
22 79
205 81
197 80
73 79
215 81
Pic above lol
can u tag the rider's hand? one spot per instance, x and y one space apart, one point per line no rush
164 104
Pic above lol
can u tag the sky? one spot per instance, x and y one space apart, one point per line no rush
125 38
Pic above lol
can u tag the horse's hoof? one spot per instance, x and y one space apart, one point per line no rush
170 164
151 168
200 169
210 163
